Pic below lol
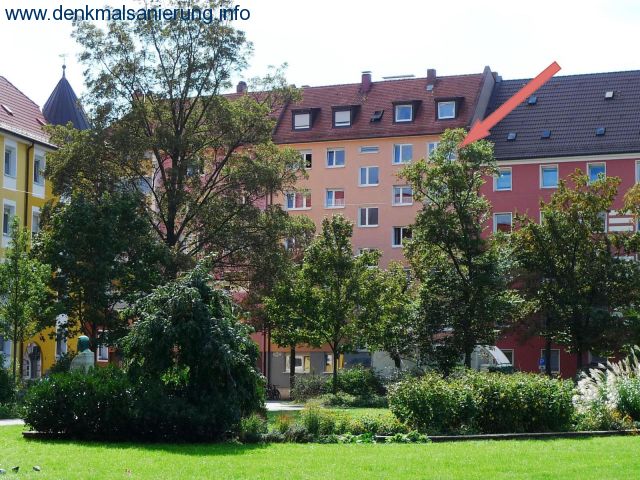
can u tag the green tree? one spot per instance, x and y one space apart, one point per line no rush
335 288
103 256
24 289
575 274
464 294
204 161
285 294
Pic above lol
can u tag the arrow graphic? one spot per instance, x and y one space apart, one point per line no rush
481 128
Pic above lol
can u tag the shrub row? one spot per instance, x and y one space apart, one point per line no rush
474 402
358 381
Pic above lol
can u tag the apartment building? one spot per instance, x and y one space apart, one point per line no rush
24 191
588 122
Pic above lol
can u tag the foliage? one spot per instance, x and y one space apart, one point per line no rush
358 386
463 276
9 410
252 428
608 397
282 423
484 403
7 385
187 348
63 363
411 437
360 381
161 126
309 386
103 255
342 399
26 298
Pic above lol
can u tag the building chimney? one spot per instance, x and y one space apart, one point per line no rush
431 75
365 86
241 87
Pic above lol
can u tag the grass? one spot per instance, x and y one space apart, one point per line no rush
354 412
601 458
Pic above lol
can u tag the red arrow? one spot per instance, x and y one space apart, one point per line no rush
481 128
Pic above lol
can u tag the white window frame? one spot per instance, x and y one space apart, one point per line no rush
393 196
334 150
343 123
326 198
637 171
542 355
431 147
6 237
448 103
35 212
303 155
302 126
101 349
367 225
396 109
367 169
542 167
393 236
369 149
495 222
10 179
400 148
305 197
513 355
300 369
604 164
496 177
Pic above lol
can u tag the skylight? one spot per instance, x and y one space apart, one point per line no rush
608 94
7 109
546 134
600 131
532 100
511 136
377 116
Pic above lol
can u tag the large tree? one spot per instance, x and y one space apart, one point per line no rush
464 294
204 161
103 255
576 268
26 299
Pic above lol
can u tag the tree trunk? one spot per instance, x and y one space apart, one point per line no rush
334 385
397 361
15 354
468 351
21 359
547 358
292 367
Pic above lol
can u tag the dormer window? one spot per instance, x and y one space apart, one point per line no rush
302 120
446 110
342 118
404 112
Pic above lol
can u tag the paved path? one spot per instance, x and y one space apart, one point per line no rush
282 406
5 423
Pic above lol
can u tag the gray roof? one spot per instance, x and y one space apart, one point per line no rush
571 108
63 106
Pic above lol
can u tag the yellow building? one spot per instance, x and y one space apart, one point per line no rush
24 191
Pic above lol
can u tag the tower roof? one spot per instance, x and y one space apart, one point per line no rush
63 106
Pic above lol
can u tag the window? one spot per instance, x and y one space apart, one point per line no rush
502 222
35 220
399 235
335 157
342 118
9 211
549 176
369 149
402 195
502 181
298 200
555 360
334 199
368 217
38 169
595 169
10 159
446 110
307 157
404 113
369 176
302 363
302 121
431 146
328 363
402 153
510 354
637 171
103 349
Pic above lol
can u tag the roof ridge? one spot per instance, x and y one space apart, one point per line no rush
589 74
22 93
391 80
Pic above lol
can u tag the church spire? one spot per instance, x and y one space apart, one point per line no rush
63 106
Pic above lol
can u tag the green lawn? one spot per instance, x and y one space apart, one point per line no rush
596 458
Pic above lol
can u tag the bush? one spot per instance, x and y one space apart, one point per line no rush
629 397
360 381
63 364
342 399
318 421
484 403
7 386
282 423
252 429
9 410
309 386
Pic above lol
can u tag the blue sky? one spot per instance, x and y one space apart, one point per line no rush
332 41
